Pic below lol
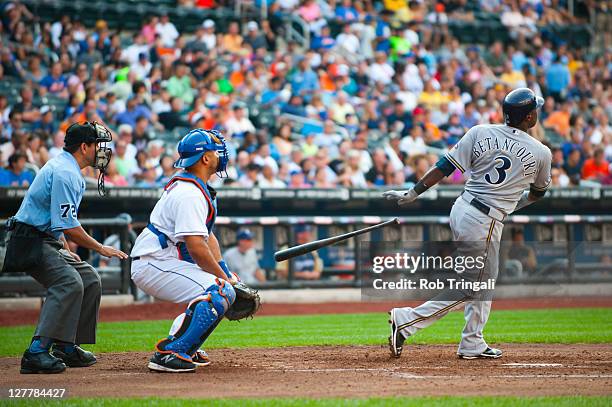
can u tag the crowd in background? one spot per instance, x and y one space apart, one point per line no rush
382 91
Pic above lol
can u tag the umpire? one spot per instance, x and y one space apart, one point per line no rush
36 245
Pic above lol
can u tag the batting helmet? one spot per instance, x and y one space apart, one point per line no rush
197 142
518 103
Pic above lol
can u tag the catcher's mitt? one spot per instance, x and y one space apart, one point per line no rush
246 305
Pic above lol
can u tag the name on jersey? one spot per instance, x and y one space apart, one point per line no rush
510 146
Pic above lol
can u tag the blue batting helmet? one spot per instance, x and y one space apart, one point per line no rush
193 146
518 103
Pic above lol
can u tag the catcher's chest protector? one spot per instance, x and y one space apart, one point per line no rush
210 195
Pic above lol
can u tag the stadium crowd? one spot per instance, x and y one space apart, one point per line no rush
382 91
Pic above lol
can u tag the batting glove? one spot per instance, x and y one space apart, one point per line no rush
402 197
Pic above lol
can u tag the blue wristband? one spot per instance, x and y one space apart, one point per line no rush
226 269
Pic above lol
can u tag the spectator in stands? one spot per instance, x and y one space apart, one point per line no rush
250 177
141 135
15 123
112 177
305 267
558 78
46 121
304 82
239 123
420 165
148 29
18 175
352 176
297 179
55 83
167 31
573 166
125 163
148 177
179 85
58 144
37 152
166 164
242 259
522 252
29 111
559 120
324 41
133 111
131 53
142 68
267 178
376 176
380 70
254 38
232 41
208 37
175 117
597 167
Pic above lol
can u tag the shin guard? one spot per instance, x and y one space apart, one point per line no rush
200 319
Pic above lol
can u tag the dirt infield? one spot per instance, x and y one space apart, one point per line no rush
164 310
341 371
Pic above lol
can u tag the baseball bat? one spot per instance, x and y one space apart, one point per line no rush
295 251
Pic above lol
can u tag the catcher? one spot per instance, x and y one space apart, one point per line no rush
177 257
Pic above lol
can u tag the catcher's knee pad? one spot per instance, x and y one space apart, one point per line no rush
222 295
199 320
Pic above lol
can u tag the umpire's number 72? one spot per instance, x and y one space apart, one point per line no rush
68 209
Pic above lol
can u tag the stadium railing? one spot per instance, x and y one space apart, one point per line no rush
569 249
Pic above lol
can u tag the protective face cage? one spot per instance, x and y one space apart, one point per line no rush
103 153
223 154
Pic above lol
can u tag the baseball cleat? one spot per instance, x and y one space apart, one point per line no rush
200 358
170 363
489 353
42 362
77 358
396 340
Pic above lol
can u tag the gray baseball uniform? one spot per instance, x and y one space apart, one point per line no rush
503 162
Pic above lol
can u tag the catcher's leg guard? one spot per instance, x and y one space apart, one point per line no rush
202 314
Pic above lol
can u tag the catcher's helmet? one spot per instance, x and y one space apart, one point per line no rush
193 146
518 103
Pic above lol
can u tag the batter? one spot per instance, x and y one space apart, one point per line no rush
503 161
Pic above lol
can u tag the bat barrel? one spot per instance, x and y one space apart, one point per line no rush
295 251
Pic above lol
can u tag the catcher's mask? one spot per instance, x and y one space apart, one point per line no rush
92 132
197 142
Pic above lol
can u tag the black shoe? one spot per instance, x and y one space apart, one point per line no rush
396 339
78 358
489 353
40 362
200 358
170 362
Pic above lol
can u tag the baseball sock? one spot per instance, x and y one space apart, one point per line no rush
65 347
40 344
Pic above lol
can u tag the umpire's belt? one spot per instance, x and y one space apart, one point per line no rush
163 239
484 208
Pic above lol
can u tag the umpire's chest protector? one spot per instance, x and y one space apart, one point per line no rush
210 196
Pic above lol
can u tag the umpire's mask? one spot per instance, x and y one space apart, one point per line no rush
93 132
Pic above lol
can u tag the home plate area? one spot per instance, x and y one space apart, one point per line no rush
343 371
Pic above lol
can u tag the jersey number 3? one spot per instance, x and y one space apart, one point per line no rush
502 165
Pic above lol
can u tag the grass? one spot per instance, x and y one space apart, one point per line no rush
574 401
582 325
